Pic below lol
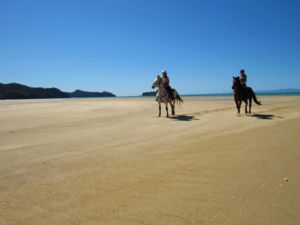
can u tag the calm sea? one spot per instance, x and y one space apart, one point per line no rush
225 95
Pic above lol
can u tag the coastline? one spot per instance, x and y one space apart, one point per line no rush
151 97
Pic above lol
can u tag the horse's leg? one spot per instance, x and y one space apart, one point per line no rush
237 104
172 103
246 106
167 109
159 108
240 103
250 104
174 108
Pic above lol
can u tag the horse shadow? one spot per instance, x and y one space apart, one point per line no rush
262 116
183 118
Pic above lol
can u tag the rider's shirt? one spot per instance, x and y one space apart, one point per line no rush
243 79
166 81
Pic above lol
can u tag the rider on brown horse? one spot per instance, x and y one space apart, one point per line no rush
243 93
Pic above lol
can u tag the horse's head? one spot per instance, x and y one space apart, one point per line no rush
157 82
235 82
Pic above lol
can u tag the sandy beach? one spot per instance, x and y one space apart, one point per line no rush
114 162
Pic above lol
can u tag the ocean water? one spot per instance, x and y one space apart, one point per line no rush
223 95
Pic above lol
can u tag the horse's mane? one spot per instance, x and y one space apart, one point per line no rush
236 79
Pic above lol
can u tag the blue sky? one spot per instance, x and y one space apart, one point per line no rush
120 46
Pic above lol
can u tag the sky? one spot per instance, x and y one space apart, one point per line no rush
121 45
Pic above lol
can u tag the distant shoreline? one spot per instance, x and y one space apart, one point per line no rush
140 96
220 95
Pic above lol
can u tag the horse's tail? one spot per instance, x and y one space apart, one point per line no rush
254 97
178 99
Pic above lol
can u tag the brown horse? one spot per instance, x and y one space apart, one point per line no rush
243 94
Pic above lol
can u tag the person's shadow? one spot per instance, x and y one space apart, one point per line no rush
184 118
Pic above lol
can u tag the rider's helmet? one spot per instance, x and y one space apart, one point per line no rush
164 72
242 71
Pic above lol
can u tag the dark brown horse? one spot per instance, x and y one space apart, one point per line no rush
243 94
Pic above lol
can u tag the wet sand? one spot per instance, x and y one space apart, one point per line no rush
113 161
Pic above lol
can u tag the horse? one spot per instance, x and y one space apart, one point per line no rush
243 94
163 96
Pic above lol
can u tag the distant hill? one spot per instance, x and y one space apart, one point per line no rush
150 93
86 94
19 91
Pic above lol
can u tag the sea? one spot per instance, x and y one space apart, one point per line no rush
296 93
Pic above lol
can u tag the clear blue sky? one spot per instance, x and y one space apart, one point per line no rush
121 45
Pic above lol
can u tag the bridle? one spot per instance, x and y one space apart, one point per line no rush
158 84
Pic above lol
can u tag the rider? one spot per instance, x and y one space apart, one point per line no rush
243 78
166 82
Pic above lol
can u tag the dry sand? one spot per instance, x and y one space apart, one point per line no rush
114 162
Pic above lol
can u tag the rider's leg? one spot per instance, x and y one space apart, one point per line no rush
170 91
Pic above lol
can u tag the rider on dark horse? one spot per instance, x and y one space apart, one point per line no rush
166 82
242 92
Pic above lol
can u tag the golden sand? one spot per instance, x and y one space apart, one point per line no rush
114 162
